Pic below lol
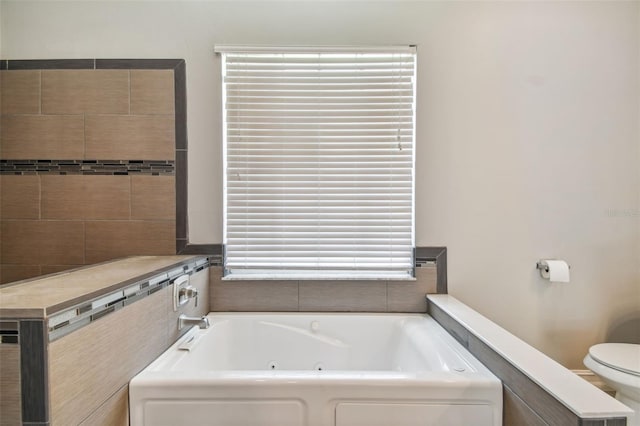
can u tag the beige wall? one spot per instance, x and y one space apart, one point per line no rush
527 132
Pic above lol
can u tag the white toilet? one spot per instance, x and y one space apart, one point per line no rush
618 365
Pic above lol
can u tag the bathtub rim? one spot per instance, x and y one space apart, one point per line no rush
478 369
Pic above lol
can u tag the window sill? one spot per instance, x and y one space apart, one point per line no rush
314 276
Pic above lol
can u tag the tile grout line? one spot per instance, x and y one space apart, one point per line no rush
40 93
84 136
386 299
40 197
40 182
84 240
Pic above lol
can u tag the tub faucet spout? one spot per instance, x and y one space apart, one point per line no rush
185 321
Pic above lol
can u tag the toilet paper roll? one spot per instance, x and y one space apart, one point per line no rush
556 271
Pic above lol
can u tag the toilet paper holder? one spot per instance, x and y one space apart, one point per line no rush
542 267
554 270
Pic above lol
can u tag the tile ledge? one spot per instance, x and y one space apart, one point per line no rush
582 398
67 288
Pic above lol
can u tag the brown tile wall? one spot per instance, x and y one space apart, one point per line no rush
153 197
130 137
20 92
42 136
152 92
85 91
51 222
110 239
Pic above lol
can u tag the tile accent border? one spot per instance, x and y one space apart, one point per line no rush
532 405
180 103
48 64
9 332
67 320
87 167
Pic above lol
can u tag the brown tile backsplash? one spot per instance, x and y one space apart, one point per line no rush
265 296
152 92
20 92
322 296
85 197
87 170
85 219
52 269
106 197
25 242
42 136
19 197
130 137
409 296
354 296
112 239
85 91
10 273
61 243
153 197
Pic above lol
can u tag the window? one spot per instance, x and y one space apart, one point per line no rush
319 162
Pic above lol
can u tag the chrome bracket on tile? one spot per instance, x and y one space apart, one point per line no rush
183 291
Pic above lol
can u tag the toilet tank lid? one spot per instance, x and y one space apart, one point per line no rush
621 356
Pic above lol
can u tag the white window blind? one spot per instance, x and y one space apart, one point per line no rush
319 162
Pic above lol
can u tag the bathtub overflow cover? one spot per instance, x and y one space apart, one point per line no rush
315 326
272 365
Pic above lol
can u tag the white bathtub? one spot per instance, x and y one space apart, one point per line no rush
316 370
